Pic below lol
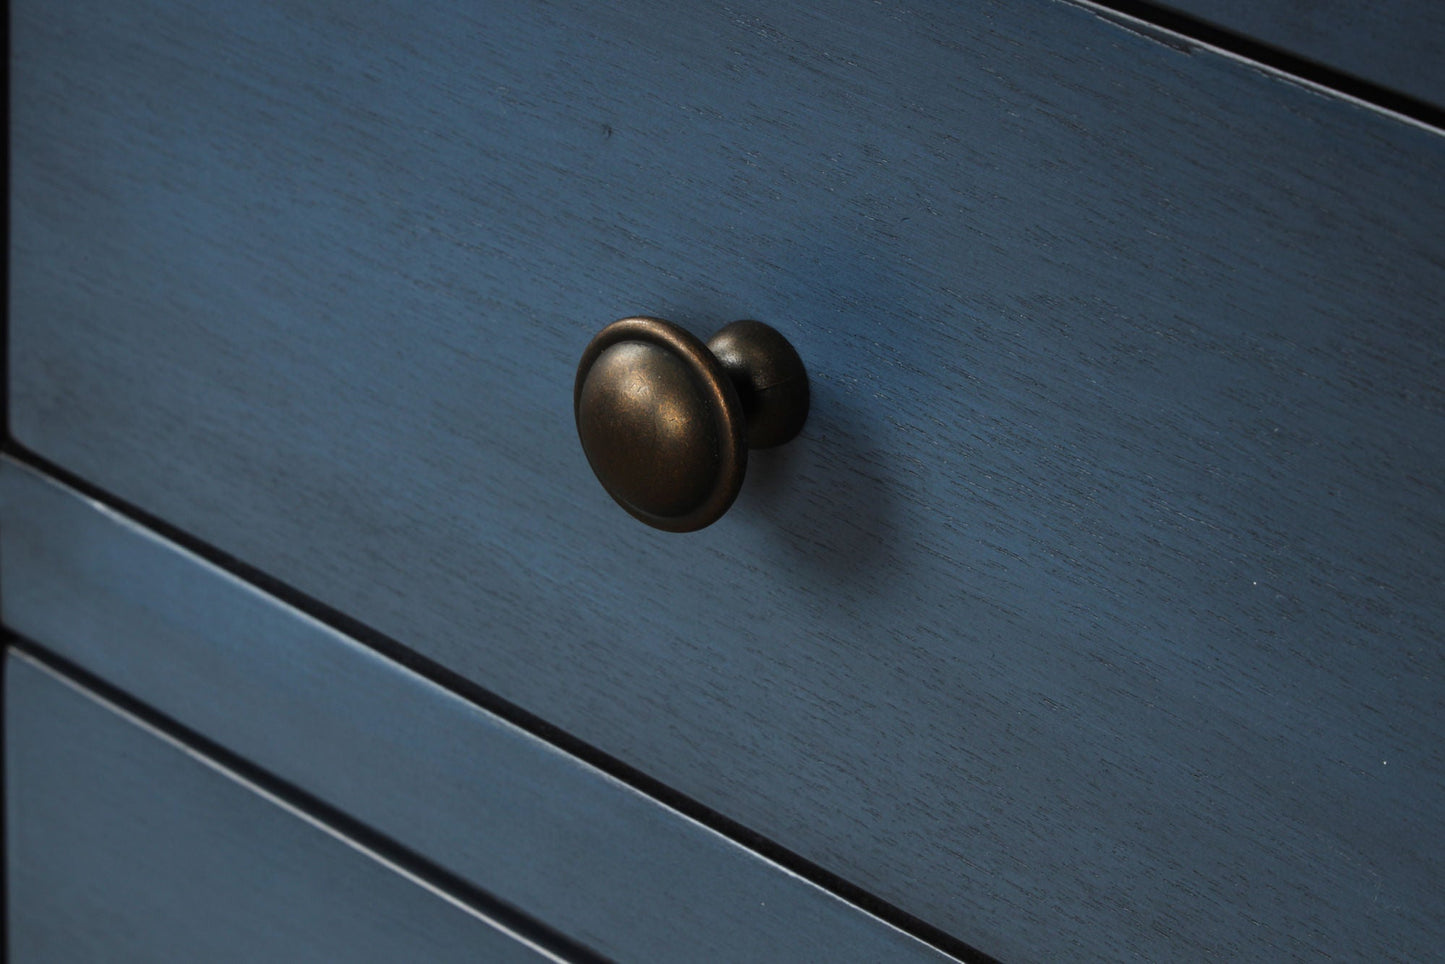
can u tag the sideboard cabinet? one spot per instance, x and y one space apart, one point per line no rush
1096 612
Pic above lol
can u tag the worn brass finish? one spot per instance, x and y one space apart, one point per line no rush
769 377
666 421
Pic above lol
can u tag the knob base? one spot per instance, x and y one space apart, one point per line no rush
769 378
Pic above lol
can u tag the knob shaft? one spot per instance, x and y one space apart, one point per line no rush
666 421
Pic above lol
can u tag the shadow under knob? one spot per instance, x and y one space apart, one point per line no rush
666 421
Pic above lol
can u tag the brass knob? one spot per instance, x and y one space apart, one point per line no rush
666 421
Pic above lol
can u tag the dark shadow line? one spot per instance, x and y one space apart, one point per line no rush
459 685
486 904
1276 58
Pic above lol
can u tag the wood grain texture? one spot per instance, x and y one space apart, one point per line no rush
1399 44
531 825
122 845
1096 611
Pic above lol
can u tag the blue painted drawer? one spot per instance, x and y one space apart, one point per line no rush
122 845
590 861
1097 609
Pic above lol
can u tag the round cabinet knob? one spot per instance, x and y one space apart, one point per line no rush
666 421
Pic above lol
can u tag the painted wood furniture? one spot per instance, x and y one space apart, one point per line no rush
1095 613
482 800
125 846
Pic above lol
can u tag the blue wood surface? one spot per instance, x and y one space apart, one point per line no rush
1096 612
542 832
122 845
1399 44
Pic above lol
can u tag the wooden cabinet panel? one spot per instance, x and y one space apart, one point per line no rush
538 829
1096 610
122 845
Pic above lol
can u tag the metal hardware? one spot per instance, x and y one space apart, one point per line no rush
666 421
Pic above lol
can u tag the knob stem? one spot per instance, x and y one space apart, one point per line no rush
769 377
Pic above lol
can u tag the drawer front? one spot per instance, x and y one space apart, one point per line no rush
488 803
1111 550
123 845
